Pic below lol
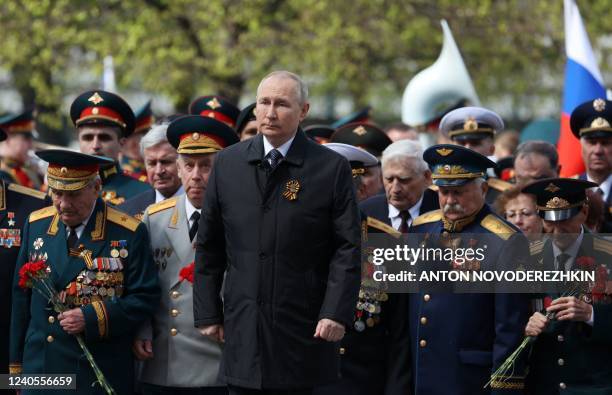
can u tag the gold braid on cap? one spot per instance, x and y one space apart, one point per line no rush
358 171
67 179
557 203
598 124
198 143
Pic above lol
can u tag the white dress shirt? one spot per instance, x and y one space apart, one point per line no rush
190 209
604 186
396 219
283 149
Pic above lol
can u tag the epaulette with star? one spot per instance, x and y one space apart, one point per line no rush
27 191
376 224
42 213
161 206
536 247
122 219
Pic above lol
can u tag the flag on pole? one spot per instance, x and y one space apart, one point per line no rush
583 82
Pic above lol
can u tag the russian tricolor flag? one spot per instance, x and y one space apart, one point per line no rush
583 82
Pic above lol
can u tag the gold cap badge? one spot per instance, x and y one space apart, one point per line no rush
213 103
360 131
96 99
599 105
444 151
552 188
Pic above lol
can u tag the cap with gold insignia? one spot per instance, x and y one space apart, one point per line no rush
592 119
71 170
196 134
558 199
454 165
217 107
102 108
471 123
319 133
361 116
246 115
22 123
357 157
144 118
363 135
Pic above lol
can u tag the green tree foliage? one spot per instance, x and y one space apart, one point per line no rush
358 48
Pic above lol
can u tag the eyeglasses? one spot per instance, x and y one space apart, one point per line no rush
523 213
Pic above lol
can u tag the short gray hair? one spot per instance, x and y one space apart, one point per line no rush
539 147
302 88
405 149
155 136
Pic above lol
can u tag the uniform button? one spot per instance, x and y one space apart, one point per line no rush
560 338
50 339
174 312
342 350
426 297
423 343
562 386
561 362
51 319
175 294
423 320
173 331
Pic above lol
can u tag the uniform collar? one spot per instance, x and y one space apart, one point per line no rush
458 225
604 186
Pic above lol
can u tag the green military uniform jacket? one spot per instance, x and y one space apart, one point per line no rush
118 187
110 276
574 357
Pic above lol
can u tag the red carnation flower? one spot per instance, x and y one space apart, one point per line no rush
186 273
31 270
585 262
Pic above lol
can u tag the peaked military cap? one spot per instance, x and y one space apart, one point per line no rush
19 123
102 108
196 134
558 199
364 135
362 116
454 165
246 115
71 170
216 107
357 157
319 133
592 119
144 118
471 123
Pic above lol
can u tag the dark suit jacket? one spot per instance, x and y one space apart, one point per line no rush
378 207
290 240
138 203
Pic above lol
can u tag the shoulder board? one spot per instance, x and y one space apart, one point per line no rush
27 191
498 226
433 188
431 216
536 247
42 213
122 219
498 184
161 206
602 245
376 224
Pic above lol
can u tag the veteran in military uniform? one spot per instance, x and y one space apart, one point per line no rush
20 130
590 122
100 264
132 161
475 128
103 121
170 344
572 347
16 203
465 335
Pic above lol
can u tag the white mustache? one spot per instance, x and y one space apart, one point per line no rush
455 208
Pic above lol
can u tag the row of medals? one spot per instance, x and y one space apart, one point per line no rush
96 285
369 308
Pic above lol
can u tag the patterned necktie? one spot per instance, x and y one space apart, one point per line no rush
275 157
405 216
193 230
72 238
561 260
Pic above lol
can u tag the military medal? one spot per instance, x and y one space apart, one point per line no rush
38 243
11 221
291 190
359 326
